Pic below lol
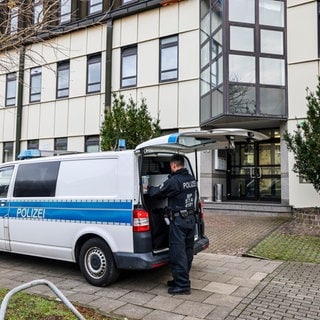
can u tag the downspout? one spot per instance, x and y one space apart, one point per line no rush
107 101
19 100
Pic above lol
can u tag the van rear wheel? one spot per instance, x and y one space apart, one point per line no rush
97 263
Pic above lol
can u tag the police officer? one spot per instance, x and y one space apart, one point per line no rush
180 189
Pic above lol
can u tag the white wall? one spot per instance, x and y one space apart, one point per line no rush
303 69
75 117
177 103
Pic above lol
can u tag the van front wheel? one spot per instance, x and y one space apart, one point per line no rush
97 264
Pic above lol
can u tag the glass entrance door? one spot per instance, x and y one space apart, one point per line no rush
254 172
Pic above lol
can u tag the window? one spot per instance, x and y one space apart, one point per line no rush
7 151
65 11
37 11
129 67
5 177
36 179
63 77
95 6
11 89
33 144
242 10
92 144
169 58
14 19
94 74
35 84
60 144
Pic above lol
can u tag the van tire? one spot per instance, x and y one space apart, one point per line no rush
97 264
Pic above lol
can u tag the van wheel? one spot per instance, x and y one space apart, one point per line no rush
97 264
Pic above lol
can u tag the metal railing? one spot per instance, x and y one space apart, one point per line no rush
33 283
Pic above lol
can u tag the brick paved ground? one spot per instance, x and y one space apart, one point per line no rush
225 286
234 235
292 291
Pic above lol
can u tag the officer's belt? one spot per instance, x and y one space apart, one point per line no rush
182 213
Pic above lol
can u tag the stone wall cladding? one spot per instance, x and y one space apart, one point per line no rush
308 216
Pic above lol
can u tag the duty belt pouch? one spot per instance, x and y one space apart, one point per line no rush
184 213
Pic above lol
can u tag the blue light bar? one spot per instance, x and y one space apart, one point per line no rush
29 153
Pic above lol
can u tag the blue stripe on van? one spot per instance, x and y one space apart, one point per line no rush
94 211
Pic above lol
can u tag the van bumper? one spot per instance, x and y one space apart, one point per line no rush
149 260
201 244
140 261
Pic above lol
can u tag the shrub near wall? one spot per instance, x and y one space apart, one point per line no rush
308 216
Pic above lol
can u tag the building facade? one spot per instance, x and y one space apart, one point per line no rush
199 64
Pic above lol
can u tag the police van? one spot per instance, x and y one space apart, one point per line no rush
91 208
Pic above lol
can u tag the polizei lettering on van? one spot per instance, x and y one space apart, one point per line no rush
31 213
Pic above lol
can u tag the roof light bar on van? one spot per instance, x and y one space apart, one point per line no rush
36 153
29 154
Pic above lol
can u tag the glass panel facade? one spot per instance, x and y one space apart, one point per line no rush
217 101
216 46
241 38
243 46
211 76
272 101
242 69
242 10
272 41
272 71
271 12
242 99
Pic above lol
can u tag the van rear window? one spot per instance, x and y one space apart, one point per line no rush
36 179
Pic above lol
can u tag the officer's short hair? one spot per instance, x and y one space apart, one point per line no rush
178 159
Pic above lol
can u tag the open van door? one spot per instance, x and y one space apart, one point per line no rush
185 142
155 167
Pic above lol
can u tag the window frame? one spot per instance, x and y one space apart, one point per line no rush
38 179
33 144
14 19
65 16
38 14
61 67
95 6
8 151
162 48
125 53
91 61
10 80
35 73
61 144
92 141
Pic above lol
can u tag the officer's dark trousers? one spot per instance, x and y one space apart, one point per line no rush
181 238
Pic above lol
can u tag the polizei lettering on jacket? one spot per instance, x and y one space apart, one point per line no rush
31 213
189 184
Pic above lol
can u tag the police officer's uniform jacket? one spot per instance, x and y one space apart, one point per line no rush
180 188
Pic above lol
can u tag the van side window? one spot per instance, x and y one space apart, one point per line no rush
36 179
5 177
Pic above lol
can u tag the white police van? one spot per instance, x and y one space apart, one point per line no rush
90 208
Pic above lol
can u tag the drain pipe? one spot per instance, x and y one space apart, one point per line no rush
107 101
19 100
